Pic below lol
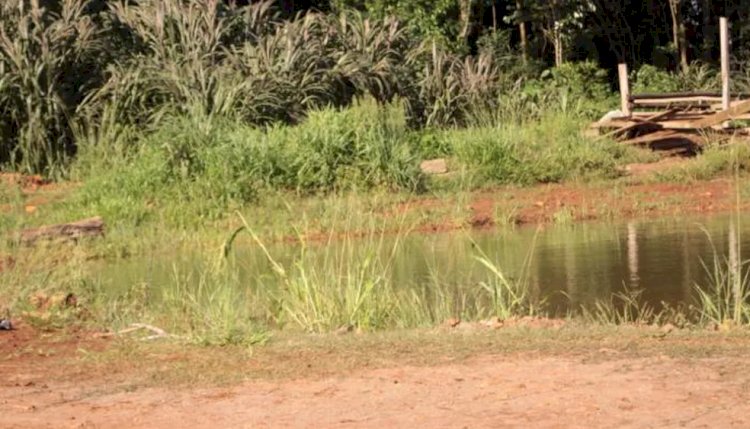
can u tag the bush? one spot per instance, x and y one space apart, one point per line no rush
550 151
206 166
698 77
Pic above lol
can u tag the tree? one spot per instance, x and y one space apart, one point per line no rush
558 20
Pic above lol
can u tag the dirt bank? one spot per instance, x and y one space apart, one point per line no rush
445 380
488 392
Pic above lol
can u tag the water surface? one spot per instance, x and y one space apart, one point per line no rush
565 265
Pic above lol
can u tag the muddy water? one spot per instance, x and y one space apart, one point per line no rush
565 265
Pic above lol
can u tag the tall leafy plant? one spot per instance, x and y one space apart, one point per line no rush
46 66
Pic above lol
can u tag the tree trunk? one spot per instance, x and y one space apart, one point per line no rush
465 20
708 31
678 32
494 18
522 33
557 40
558 46
683 46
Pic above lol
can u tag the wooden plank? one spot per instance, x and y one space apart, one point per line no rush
663 135
686 101
652 137
648 121
667 124
659 95
723 116
687 115
622 71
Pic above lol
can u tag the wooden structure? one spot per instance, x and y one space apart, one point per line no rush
678 123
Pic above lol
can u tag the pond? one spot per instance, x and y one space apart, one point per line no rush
565 266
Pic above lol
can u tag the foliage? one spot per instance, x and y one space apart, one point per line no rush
212 164
698 77
549 151
46 67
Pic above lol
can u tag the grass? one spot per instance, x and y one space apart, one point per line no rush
715 161
194 169
726 299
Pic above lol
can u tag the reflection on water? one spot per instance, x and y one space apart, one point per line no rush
569 265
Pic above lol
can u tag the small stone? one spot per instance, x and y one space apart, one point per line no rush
345 329
5 325
668 328
434 166
493 323
452 322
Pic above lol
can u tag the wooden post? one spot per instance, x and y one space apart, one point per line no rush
724 31
622 71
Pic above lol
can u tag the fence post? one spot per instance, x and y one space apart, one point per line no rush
622 71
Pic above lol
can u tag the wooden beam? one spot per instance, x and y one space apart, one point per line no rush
726 115
639 122
724 32
668 124
663 135
657 95
652 137
622 71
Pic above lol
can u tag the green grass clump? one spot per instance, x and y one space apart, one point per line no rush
188 170
726 297
714 161
552 150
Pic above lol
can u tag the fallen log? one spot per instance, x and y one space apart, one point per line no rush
92 227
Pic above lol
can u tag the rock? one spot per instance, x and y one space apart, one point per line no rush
5 325
434 166
614 114
346 329
452 322
493 323
666 329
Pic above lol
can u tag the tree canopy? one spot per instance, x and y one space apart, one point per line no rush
665 33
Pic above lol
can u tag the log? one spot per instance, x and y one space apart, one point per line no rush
92 227
663 95
682 101
682 124
665 135
652 137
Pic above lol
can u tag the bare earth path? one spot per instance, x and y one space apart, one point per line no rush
482 392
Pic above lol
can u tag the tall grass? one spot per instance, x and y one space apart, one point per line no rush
726 299
356 289
87 74
47 66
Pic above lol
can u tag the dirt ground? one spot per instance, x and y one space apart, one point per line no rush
548 378
448 380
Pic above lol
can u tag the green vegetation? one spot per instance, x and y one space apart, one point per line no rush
172 115
183 111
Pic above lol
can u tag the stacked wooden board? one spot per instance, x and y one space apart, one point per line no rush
677 123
